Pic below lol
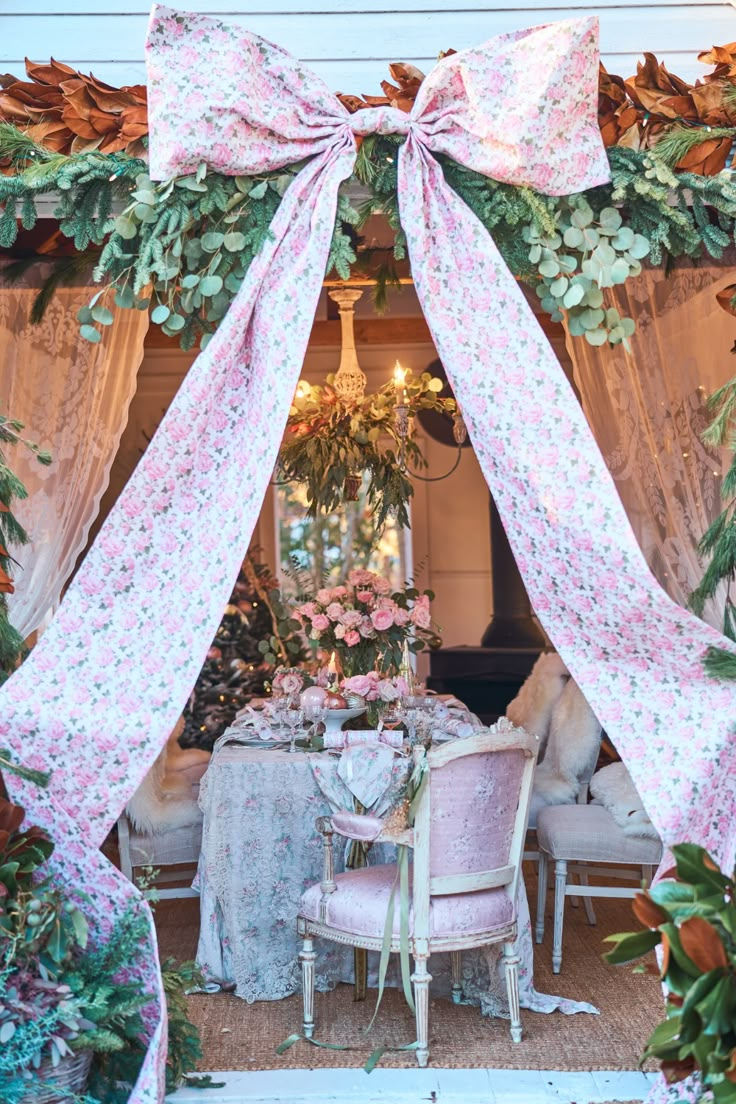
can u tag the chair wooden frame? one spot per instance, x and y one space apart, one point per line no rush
565 867
506 737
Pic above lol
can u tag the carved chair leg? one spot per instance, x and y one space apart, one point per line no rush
560 884
307 958
421 979
511 963
541 895
456 964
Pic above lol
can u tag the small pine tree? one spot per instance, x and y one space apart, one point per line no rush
251 640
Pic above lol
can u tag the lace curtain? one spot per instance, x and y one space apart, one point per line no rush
73 398
647 410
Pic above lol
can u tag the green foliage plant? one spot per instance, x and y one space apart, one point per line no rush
691 915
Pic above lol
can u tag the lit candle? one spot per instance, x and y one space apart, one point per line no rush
400 380
332 671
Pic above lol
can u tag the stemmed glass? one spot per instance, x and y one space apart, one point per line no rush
279 709
294 718
412 712
315 715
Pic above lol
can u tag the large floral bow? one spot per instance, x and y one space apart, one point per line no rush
104 686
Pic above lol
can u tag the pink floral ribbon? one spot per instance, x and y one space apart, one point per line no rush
100 692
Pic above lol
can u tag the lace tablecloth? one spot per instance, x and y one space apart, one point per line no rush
260 851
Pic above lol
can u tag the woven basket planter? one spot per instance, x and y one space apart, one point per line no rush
70 1074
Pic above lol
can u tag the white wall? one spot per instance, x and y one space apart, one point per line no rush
350 42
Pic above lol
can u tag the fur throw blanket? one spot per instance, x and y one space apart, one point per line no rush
551 705
532 707
572 749
613 788
164 799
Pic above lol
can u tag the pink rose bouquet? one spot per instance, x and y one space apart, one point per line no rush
367 624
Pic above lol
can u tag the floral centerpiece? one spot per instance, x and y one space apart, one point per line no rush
366 623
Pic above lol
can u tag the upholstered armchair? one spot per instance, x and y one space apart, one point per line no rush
466 843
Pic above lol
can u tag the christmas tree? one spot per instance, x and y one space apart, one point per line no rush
254 637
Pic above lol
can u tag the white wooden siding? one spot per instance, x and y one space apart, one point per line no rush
350 43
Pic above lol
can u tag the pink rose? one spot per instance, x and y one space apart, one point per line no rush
320 622
421 617
352 638
334 611
365 595
358 684
360 578
351 619
324 597
381 586
366 628
340 631
339 592
401 616
387 691
307 610
382 620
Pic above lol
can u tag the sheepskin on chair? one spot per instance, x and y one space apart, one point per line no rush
613 788
164 800
572 750
532 707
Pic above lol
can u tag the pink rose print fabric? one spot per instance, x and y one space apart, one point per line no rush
99 694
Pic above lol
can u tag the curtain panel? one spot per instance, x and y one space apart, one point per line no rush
647 409
73 398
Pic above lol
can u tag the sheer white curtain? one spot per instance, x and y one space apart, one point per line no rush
647 411
74 399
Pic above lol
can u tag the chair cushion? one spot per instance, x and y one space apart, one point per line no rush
588 833
360 903
181 845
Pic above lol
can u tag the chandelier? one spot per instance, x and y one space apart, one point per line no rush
336 432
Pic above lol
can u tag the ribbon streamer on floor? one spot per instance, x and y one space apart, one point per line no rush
98 695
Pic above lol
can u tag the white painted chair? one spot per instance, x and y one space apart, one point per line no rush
467 842
177 849
579 838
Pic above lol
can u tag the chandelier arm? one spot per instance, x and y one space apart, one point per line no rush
438 478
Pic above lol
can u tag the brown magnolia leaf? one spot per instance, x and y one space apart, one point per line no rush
53 73
710 104
403 72
675 1070
707 158
702 944
352 103
11 816
647 912
6 583
731 1071
724 59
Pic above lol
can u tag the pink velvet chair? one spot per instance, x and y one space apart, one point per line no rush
467 842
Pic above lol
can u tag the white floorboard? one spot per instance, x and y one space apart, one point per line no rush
435 1086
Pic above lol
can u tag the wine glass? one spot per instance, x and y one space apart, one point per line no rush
316 715
294 719
412 711
279 709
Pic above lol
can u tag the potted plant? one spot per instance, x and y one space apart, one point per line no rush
691 915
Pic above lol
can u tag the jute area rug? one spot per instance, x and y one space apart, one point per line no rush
241 1036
